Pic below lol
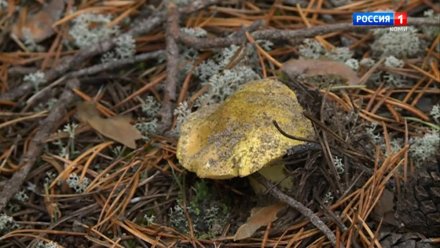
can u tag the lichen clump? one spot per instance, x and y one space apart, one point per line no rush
399 44
208 210
89 28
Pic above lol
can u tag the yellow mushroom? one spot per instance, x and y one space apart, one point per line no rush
237 137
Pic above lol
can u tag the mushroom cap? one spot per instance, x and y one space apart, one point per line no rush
237 137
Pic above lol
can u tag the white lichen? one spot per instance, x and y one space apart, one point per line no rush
150 106
399 44
181 112
311 49
367 62
147 127
182 2
221 78
393 62
265 44
149 219
189 54
89 28
50 176
21 196
353 64
214 65
431 31
435 111
339 54
373 135
394 80
208 219
74 182
328 198
50 244
396 145
178 218
149 123
35 79
117 151
339 166
70 129
3 5
7 223
225 83
195 32
425 148
125 48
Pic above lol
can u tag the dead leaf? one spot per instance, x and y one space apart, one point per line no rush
259 217
312 67
117 128
385 207
38 26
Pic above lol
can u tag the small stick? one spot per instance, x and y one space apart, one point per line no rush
290 136
172 53
283 35
208 43
36 145
116 64
276 34
90 71
306 212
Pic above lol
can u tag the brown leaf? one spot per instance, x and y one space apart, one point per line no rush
311 67
259 217
117 128
38 26
385 207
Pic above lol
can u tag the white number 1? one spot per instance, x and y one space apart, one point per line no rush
400 17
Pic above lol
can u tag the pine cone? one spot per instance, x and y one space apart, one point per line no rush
418 205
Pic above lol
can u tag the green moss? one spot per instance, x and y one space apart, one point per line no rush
208 211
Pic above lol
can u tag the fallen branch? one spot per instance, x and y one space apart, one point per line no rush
306 212
35 148
207 43
276 34
90 71
172 53
291 35
116 64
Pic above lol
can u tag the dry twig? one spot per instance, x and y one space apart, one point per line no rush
94 69
116 64
172 53
316 221
35 148
283 35
207 43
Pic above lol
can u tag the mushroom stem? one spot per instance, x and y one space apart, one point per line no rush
274 173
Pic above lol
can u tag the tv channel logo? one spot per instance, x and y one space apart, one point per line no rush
380 19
